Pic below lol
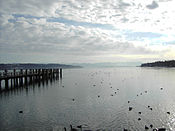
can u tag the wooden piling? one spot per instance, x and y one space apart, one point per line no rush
6 84
21 78
39 74
30 77
6 79
0 81
47 72
5 73
53 72
33 72
11 82
14 74
61 73
57 75
42 74
25 77
0 85
16 79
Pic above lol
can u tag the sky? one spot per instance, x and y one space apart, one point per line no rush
86 31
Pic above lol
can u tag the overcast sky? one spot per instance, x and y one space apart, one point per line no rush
71 31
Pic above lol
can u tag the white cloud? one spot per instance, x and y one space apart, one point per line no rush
85 29
153 5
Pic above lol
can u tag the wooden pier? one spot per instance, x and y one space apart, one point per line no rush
21 77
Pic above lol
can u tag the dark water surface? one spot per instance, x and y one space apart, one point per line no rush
95 98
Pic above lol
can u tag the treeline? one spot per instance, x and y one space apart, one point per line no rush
170 63
34 66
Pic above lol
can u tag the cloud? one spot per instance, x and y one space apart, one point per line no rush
30 7
84 30
153 5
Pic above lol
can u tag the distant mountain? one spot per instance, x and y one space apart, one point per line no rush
35 66
108 64
170 63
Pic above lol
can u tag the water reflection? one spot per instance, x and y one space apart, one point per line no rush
30 85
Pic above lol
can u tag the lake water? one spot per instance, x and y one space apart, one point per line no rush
97 99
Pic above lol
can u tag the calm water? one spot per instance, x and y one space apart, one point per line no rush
95 98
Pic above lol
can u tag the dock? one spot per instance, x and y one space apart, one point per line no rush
16 78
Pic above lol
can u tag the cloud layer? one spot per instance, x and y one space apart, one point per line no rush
86 31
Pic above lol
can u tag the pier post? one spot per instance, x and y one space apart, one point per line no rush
6 80
30 72
26 77
21 77
11 80
42 74
57 75
33 74
0 82
6 83
36 72
54 70
51 73
0 85
60 72
16 78
39 73
47 72
5 72
14 74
